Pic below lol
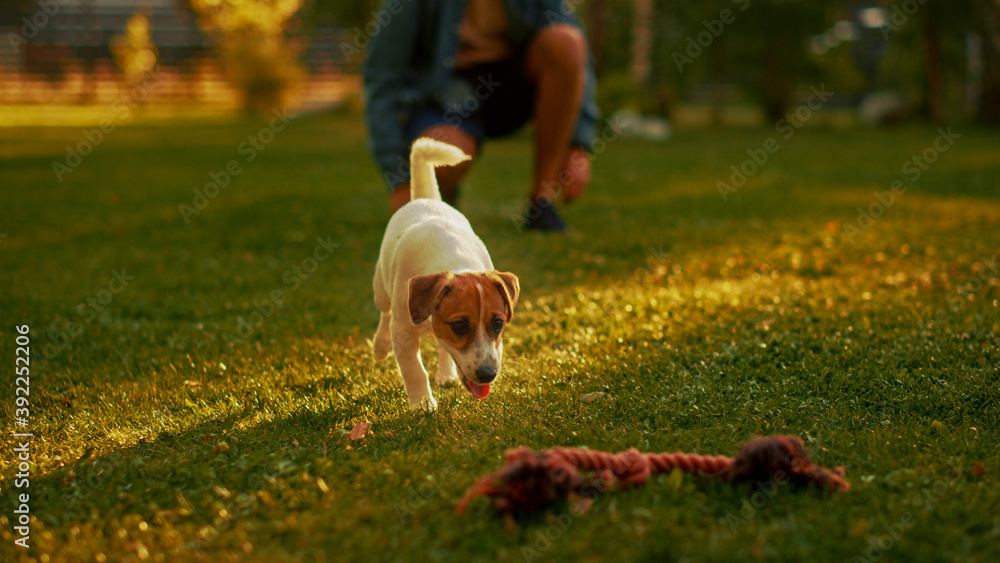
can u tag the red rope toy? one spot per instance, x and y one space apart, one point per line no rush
534 480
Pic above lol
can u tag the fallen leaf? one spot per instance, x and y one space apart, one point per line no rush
580 505
221 447
359 430
193 383
978 469
321 483
591 397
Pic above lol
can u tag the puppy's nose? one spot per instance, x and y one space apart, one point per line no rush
486 374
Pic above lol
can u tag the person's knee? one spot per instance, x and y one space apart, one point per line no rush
449 177
453 136
561 47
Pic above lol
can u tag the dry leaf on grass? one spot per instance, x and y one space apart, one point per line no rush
359 430
591 397
580 505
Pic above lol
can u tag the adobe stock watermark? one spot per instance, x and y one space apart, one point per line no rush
47 9
786 127
914 168
460 111
984 272
655 259
882 541
566 8
364 37
419 495
292 278
87 310
454 115
248 149
750 507
120 109
697 44
901 13
233 509
558 524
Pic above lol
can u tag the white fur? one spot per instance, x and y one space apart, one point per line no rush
426 236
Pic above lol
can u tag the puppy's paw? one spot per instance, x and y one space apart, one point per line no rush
446 379
427 404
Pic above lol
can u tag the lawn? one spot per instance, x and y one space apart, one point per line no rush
195 375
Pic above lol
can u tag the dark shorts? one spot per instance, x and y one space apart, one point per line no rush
486 101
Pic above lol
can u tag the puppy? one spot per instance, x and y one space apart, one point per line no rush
434 276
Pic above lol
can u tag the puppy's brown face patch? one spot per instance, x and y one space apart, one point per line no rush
468 315
471 303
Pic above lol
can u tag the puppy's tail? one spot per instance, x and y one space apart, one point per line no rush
426 155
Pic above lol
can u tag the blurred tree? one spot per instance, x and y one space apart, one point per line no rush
338 13
641 40
839 71
257 57
701 49
771 48
933 73
595 18
134 52
986 34
929 55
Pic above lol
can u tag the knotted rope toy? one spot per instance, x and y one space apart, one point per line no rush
534 480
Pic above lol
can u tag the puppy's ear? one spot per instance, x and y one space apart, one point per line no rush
510 289
425 294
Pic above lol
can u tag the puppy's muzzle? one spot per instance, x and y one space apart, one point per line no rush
486 374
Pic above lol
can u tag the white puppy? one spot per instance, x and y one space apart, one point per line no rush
434 276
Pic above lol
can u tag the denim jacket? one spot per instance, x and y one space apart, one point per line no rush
411 60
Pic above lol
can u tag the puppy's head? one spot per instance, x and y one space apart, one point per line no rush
468 313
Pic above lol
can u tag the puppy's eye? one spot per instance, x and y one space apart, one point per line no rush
497 325
460 328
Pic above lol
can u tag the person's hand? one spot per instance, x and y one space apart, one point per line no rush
577 170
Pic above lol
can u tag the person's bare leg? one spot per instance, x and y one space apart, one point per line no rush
448 177
556 64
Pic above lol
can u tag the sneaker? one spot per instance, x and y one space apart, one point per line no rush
547 220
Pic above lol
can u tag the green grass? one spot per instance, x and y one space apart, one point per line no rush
704 321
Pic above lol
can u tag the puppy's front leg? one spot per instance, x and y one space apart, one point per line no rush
383 339
447 374
406 347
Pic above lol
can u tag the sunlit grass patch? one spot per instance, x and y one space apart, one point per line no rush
687 322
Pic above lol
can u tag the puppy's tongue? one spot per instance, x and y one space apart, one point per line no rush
479 390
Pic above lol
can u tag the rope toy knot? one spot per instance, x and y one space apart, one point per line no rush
534 480
632 467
